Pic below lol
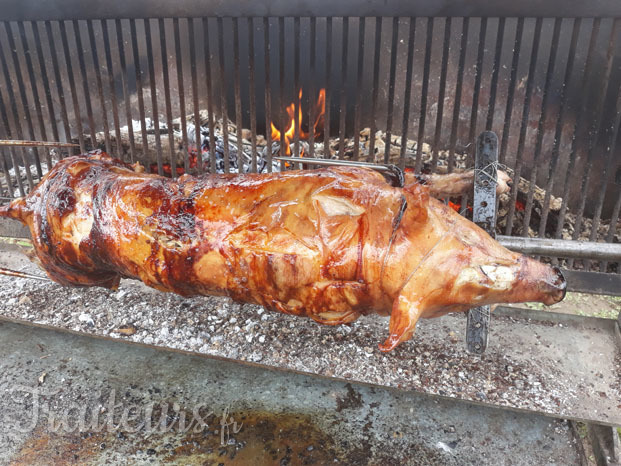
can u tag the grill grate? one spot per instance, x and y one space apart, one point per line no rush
548 86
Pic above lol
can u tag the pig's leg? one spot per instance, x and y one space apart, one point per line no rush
406 310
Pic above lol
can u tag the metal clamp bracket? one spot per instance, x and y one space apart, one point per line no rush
484 215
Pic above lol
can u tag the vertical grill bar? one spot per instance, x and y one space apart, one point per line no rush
477 86
612 227
491 107
223 109
541 125
59 87
7 132
74 95
391 86
311 88
517 44
128 115
155 117
210 119
7 177
558 132
326 127
238 106
252 95
87 96
268 94
115 110
423 99
35 95
296 78
577 125
46 83
21 91
594 136
604 183
136 59
18 128
181 93
524 126
169 124
281 96
360 63
343 97
100 93
407 99
376 60
456 106
440 115
197 119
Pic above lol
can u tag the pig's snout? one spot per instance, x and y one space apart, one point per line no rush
558 285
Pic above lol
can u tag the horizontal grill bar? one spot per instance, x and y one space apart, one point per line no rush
562 248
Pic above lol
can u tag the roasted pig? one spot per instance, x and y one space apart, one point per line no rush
330 244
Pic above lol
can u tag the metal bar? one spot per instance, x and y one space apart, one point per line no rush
311 88
139 86
612 228
562 248
100 92
45 81
128 114
120 152
517 45
558 132
154 111
491 106
358 84
592 282
326 127
252 92
85 91
441 92
407 98
181 95
198 138
169 125
223 103
7 132
210 111
238 105
594 134
484 215
281 95
77 118
457 101
7 177
15 273
17 10
22 89
22 143
423 99
524 126
375 87
13 103
35 95
391 86
478 72
298 89
577 125
343 96
540 126
268 93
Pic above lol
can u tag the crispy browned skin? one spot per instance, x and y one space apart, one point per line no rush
329 244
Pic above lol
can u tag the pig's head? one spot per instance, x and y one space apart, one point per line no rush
466 268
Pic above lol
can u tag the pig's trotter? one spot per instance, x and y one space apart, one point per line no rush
403 319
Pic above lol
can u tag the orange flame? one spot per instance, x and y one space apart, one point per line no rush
320 109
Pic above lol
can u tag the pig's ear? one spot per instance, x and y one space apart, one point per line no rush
403 318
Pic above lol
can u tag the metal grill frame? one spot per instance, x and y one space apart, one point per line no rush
70 18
